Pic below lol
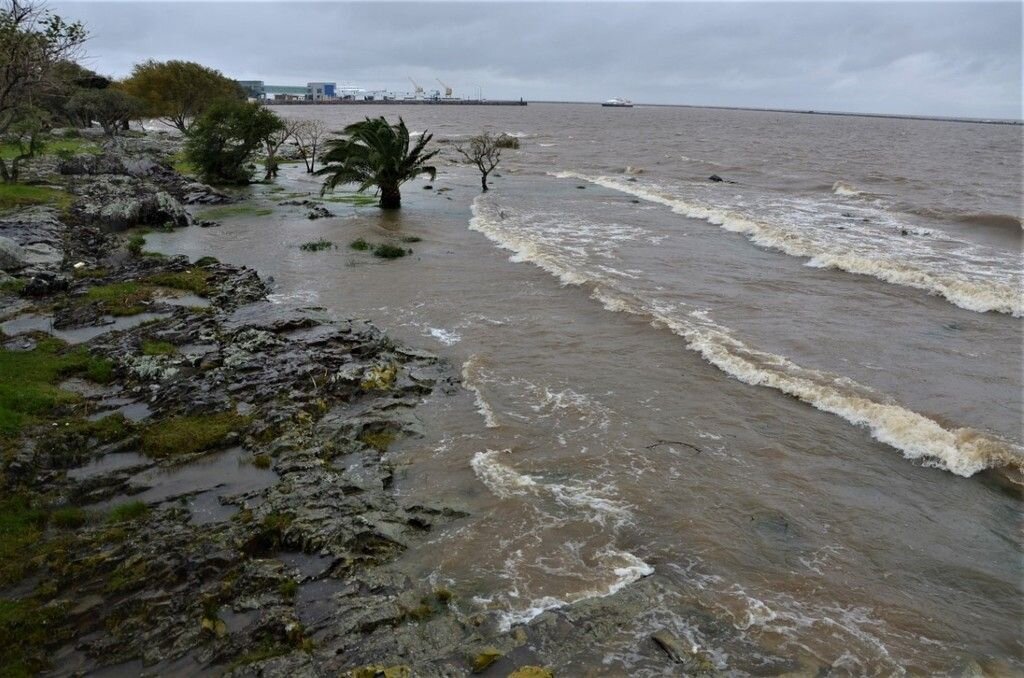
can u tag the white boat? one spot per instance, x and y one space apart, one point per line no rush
618 103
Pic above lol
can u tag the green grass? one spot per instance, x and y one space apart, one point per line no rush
28 380
185 435
411 238
69 517
135 245
122 298
316 245
13 286
288 588
132 510
387 251
24 195
356 199
360 245
158 348
195 281
27 629
54 147
21 528
228 211
262 461
181 165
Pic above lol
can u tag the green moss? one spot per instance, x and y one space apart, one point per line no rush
261 461
182 165
378 440
132 510
189 434
228 211
485 658
207 261
316 245
158 348
380 377
21 527
195 280
135 244
26 629
27 381
22 195
360 245
69 517
13 286
268 649
380 671
122 298
90 273
388 251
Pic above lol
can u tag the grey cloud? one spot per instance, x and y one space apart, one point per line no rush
961 59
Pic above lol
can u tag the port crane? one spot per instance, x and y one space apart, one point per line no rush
419 90
447 89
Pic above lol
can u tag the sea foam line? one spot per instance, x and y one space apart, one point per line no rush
963 451
973 295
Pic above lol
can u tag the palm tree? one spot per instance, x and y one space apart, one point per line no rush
374 153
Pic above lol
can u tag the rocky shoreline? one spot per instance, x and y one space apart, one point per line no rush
206 487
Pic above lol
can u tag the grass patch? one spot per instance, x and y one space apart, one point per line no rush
123 298
23 195
316 245
21 528
13 286
228 211
189 434
261 461
378 440
27 629
360 245
90 273
355 199
135 245
181 165
28 378
411 238
195 281
61 147
158 348
207 261
288 588
388 251
69 517
132 510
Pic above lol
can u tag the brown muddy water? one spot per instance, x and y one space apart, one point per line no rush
792 399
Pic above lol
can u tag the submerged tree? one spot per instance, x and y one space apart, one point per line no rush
222 142
375 153
34 43
272 144
484 151
310 134
178 92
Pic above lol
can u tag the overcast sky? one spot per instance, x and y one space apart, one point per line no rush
915 58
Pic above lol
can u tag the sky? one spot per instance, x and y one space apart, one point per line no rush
917 58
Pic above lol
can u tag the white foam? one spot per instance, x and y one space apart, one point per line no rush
962 451
470 376
840 188
980 283
446 337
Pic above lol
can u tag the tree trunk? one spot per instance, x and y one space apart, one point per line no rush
390 197
483 180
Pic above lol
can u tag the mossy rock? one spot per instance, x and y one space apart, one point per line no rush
532 672
486 657
376 671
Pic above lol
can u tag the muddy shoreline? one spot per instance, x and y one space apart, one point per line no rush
210 491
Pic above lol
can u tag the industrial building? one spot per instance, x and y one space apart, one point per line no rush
321 91
254 89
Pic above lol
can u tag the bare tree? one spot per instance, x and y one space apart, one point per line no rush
310 136
34 43
273 142
484 151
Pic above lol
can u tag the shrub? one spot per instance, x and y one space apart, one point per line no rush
222 142
360 245
189 434
69 517
316 245
386 251
135 245
507 141
132 510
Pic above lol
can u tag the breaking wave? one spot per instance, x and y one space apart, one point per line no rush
989 289
963 451
471 378
840 188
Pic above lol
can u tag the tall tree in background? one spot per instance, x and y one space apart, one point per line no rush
178 92
34 44
375 153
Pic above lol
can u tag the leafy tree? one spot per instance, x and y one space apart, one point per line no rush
375 153
25 135
34 43
310 134
484 151
223 140
178 92
110 107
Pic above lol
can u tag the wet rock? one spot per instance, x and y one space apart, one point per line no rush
12 255
319 212
486 657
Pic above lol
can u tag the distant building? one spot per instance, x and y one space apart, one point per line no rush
320 91
254 89
284 96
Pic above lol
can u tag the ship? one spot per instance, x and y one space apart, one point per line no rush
618 103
